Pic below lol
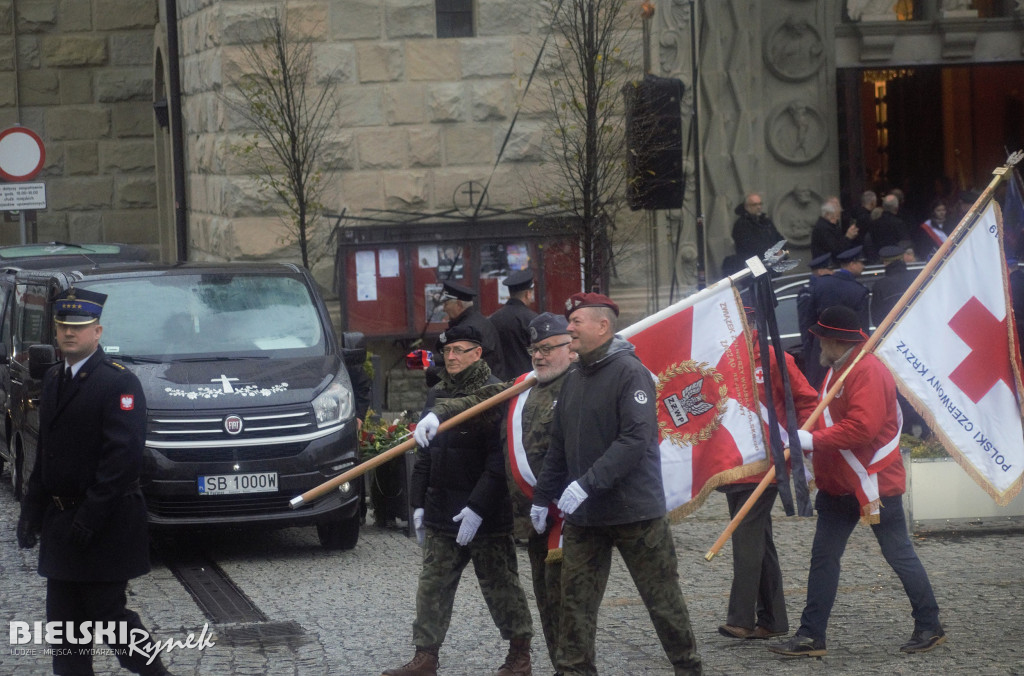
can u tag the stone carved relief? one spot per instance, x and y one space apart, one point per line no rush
796 133
796 215
674 38
793 50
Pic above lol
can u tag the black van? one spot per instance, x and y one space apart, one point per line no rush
249 402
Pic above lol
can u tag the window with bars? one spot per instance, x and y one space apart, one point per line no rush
454 18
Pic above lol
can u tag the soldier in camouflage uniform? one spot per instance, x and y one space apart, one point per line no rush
462 510
531 414
603 467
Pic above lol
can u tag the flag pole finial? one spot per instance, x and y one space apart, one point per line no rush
1011 162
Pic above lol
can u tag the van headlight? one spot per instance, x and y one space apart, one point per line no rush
333 404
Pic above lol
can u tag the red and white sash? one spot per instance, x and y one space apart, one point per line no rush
522 474
866 478
936 234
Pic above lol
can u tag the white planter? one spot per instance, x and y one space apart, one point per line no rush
939 489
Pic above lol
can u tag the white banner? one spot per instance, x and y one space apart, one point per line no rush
952 352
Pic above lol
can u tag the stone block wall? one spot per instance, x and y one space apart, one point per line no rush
83 74
419 115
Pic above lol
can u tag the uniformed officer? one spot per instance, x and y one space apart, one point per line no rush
512 322
83 494
839 288
806 315
462 513
461 310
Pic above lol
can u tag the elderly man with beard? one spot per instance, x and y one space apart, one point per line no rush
525 438
603 468
462 513
859 473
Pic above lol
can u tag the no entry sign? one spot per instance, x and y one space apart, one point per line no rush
21 154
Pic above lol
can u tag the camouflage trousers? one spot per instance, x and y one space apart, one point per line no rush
547 589
649 553
497 570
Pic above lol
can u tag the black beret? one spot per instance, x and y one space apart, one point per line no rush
466 332
547 324
891 251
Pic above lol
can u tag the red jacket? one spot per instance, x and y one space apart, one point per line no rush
805 397
864 418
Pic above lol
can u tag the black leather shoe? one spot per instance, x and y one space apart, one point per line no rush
800 646
923 641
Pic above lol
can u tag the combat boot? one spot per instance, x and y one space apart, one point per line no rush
424 663
517 663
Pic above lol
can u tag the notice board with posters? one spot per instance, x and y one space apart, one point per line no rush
390 277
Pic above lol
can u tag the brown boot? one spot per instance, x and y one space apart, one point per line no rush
517 663
424 663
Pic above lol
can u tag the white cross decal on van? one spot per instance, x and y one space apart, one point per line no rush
225 383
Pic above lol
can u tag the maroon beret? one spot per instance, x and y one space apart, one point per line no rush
578 300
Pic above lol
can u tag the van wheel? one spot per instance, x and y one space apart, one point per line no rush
342 534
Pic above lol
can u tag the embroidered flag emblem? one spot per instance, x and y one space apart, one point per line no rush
127 402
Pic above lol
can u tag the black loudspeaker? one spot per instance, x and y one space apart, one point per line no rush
654 143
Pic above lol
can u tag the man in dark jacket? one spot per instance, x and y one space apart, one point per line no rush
830 235
83 494
512 324
603 469
753 233
461 310
462 513
897 279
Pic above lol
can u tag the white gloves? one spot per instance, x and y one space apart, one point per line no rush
539 517
806 440
470 522
417 523
572 498
426 429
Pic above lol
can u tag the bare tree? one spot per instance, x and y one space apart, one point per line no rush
594 51
289 108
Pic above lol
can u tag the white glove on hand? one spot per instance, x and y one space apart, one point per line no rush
539 517
470 522
806 440
572 498
417 524
426 429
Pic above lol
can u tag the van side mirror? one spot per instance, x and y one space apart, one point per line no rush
353 348
40 359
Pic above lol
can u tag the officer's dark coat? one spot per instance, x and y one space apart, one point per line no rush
91 436
512 322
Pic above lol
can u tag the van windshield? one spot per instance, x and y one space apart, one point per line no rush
213 315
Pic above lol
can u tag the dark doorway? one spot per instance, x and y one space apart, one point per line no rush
931 131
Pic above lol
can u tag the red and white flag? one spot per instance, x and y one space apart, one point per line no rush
708 410
953 352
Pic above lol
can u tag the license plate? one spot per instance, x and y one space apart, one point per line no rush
229 484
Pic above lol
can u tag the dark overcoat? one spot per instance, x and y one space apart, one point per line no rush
91 434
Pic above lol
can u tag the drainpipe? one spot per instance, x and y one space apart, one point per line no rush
177 136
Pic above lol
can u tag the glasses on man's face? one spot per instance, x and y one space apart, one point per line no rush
545 350
453 350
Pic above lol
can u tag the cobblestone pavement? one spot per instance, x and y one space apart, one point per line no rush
355 608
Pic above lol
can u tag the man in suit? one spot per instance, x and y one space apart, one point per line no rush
512 322
83 495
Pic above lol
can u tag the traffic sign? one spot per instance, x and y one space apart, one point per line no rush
21 154
19 196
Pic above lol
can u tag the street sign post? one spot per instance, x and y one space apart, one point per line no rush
21 196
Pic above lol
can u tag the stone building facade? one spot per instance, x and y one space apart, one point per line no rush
79 73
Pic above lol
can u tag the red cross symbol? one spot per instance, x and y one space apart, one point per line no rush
989 360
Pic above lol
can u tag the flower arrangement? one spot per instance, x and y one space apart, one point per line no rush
377 435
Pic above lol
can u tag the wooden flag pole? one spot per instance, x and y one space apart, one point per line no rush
409 444
869 346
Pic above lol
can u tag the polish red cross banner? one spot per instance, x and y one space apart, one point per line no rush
708 411
954 355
